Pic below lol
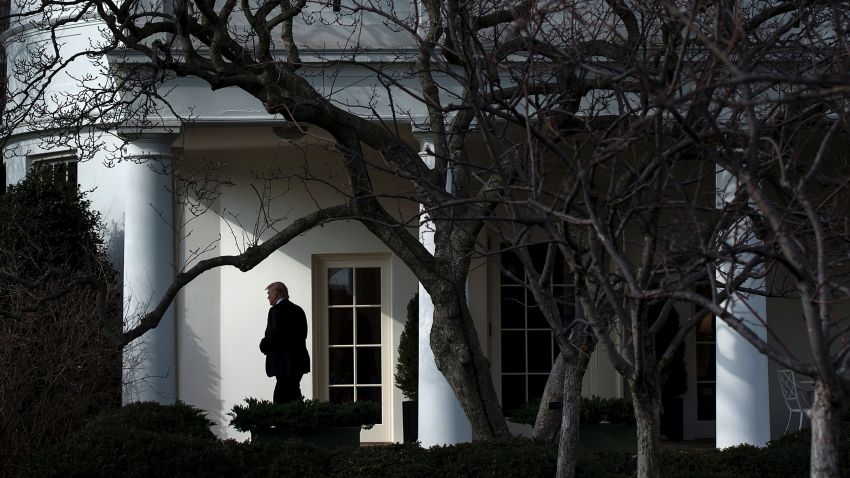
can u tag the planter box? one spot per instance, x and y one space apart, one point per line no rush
325 438
410 421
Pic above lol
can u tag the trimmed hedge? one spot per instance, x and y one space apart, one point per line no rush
303 415
153 417
593 409
139 440
515 458
176 442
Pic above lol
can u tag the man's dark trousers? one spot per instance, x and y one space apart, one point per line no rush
288 388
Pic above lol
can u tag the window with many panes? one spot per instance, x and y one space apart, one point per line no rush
705 368
528 348
354 334
61 166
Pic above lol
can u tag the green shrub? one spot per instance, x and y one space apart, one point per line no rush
612 410
303 415
593 410
513 458
140 440
152 440
526 414
179 418
796 438
140 453
407 367
609 464
47 223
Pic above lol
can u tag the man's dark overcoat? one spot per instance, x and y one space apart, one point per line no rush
285 341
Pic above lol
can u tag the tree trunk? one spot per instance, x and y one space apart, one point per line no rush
646 401
458 355
548 418
824 415
568 444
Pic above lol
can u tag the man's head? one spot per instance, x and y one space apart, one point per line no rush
277 291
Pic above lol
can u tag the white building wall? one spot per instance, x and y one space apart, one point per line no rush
222 316
197 311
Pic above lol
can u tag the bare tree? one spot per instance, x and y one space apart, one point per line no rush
755 90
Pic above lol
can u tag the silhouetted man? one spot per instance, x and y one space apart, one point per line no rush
285 344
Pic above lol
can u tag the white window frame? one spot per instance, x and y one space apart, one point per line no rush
382 432
694 427
495 329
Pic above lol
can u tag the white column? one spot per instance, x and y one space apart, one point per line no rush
441 418
742 400
149 362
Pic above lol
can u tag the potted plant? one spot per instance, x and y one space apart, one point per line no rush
407 371
323 424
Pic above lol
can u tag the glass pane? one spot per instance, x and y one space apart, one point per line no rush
341 394
538 256
511 264
340 327
340 366
513 351
559 272
72 172
368 282
536 385
368 325
705 329
368 365
705 401
513 307
339 286
566 303
369 394
536 320
705 362
539 351
58 172
513 391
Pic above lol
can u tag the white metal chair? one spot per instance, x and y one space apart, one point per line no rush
794 400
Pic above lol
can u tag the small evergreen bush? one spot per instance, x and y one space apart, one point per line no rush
407 367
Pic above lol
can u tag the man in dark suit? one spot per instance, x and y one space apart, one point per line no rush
285 344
